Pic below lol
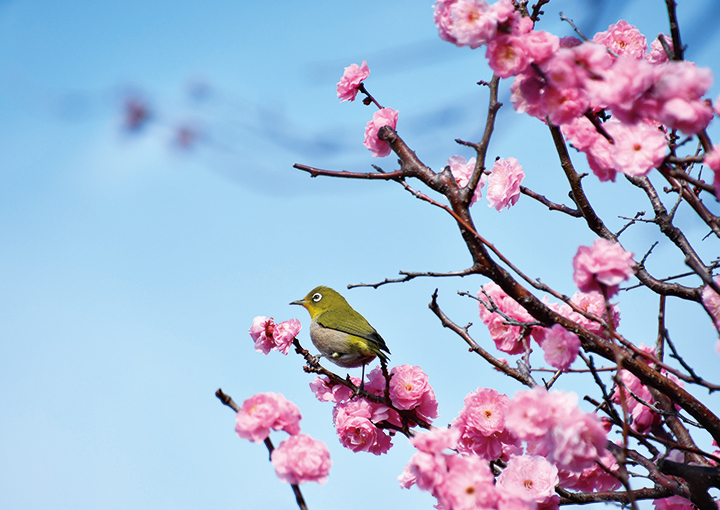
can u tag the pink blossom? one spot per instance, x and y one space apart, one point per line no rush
500 445
436 440
265 411
540 45
657 54
528 93
484 412
410 389
355 426
443 19
532 414
593 478
600 161
481 425
712 159
504 182
673 503
530 477
637 149
468 485
594 303
642 416
462 171
604 264
270 336
473 23
285 333
301 459
623 38
560 346
622 88
327 391
678 89
508 55
406 479
513 502
558 94
381 118
681 79
426 470
507 338
578 440
570 41
688 115
711 302
566 105
592 58
562 70
347 87
580 133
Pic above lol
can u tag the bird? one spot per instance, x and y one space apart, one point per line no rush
340 333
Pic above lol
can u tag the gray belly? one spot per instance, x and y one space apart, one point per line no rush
337 347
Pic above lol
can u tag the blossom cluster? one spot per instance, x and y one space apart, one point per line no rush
364 425
269 336
602 266
298 459
567 82
543 438
642 417
503 182
598 270
560 346
347 90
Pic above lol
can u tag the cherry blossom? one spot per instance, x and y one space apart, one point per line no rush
327 391
481 424
347 87
355 426
673 503
622 38
712 159
269 336
604 264
381 118
265 411
560 346
468 485
530 477
301 459
507 338
462 171
503 189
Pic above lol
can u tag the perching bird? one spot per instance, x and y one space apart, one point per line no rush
340 333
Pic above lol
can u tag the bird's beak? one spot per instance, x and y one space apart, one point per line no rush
300 302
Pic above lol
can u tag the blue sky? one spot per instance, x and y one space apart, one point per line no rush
131 268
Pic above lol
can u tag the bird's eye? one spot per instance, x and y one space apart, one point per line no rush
317 297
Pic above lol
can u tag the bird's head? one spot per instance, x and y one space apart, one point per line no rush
321 299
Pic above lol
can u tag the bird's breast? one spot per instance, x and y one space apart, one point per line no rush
341 348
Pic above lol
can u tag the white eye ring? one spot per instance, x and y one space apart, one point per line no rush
317 297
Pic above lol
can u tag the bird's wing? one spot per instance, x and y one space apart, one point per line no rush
353 325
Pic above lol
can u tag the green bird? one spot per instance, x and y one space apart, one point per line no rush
340 333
